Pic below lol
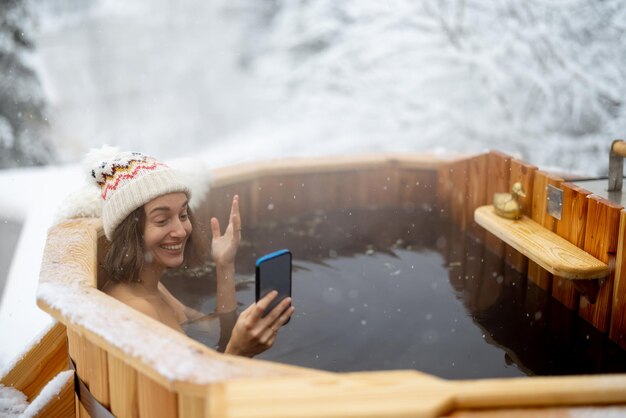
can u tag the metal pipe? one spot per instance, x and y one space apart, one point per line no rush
616 164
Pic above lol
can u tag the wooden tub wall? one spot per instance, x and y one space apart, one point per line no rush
162 373
588 221
121 379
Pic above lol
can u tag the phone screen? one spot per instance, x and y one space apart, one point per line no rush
273 272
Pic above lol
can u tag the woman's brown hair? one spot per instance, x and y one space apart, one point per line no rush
125 258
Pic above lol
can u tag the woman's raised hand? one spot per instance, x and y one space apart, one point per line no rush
224 247
254 333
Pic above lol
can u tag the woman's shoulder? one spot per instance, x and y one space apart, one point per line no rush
126 292
133 297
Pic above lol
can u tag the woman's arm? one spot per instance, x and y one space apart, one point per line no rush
226 298
223 250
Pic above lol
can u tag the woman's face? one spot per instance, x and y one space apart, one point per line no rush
167 229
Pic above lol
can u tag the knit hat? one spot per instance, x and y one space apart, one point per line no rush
129 180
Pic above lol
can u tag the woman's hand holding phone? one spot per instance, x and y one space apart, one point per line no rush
254 333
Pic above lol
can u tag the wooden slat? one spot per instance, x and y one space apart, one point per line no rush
554 412
403 394
191 406
339 164
224 370
444 187
618 309
476 192
540 215
498 172
416 188
81 411
458 203
60 406
349 191
41 363
98 371
154 400
122 389
525 174
545 248
601 237
572 228
382 187
77 353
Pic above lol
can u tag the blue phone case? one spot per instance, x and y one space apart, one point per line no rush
272 273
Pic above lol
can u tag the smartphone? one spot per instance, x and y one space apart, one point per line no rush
273 272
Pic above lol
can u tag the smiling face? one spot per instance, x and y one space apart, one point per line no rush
166 231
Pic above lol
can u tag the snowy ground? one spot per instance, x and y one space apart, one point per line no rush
234 81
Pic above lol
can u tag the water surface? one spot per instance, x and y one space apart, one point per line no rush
403 289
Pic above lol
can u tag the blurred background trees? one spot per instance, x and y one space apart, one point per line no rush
24 139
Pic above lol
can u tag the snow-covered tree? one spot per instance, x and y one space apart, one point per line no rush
24 136
540 79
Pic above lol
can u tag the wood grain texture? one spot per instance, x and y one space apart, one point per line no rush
539 214
524 174
554 412
417 188
327 164
69 267
444 188
498 173
617 331
60 406
98 371
76 354
458 212
404 394
601 238
123 389
191 406
154 400
476 193
548 250
39 364
572 228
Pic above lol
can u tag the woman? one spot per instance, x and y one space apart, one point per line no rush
146 216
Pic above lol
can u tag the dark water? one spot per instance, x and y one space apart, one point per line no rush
398 289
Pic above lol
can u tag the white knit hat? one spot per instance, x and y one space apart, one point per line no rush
129 180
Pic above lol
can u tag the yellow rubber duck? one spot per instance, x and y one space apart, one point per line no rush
507 204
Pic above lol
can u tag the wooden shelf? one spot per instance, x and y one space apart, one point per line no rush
550 251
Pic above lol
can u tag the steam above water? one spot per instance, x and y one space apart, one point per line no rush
245 80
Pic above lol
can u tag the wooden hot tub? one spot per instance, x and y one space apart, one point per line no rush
137 367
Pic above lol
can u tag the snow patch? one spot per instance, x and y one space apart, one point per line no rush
48 393
13 403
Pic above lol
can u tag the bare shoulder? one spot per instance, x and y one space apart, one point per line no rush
152 304
120 291
127 294
144 306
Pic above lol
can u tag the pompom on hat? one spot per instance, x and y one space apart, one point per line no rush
129 180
